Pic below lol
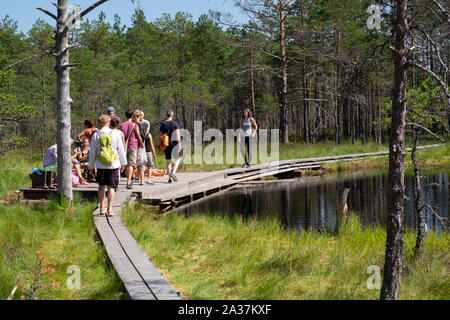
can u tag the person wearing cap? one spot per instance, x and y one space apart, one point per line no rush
107 175
111 113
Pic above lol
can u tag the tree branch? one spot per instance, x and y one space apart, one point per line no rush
56 5
441 219
71 21
72 46
11 295
26 59
48 13
435 76
435 47
268 53
434 118
412 124
443 10
71 65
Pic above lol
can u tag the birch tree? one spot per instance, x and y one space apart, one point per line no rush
63 100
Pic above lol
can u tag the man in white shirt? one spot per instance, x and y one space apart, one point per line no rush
107 175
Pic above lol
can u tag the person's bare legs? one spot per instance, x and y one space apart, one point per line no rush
80 175
142 176
169 167
177 164
150 172
101 196
130 170
111 194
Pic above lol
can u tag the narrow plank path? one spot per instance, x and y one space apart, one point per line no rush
141 278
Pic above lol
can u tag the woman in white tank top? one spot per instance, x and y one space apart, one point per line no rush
249 127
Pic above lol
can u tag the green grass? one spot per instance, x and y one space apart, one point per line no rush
65 235
212 257
209 257
15 166
428 158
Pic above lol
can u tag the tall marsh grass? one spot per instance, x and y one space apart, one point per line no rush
213 257
66 237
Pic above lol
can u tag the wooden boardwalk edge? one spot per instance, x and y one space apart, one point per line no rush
140 277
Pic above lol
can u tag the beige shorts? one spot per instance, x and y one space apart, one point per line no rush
149 163
132 157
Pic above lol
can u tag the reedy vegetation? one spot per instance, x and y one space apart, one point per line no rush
213 257
65 234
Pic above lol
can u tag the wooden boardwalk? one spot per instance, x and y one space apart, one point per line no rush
140 277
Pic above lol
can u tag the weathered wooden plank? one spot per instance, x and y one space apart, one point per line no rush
158 285
137 289
140 277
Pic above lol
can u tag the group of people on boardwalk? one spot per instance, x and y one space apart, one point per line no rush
122 144
117 147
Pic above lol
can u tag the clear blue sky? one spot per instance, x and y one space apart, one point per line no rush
25 13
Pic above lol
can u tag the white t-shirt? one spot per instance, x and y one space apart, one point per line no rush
116 145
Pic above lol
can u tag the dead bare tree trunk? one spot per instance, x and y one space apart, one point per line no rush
63 100
283 91
421 228
337 119
63 103
252 80
396 195
342 209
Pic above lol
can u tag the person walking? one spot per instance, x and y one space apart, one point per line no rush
170 129
150 152
111 113
107 156
133 141
249 128
115 127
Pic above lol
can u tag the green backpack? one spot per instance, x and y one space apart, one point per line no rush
107 155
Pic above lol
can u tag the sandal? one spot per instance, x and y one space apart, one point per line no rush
103 211
111 213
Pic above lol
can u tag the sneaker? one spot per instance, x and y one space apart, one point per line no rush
170 181
174 177
129 186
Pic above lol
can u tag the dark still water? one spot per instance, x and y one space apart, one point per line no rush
310 203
